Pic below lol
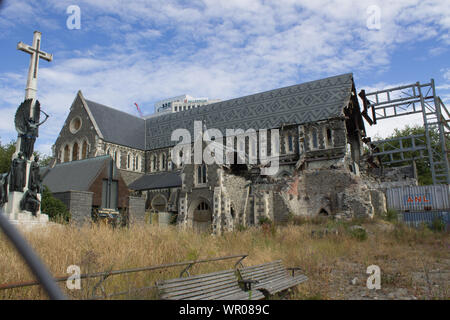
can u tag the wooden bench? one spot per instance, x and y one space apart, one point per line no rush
270 278
222 285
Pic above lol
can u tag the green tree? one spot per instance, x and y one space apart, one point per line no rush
6 152
55 208
422 164
44 160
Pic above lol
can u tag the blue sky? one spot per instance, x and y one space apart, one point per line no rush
143 51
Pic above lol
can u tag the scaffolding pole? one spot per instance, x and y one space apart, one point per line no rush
407 100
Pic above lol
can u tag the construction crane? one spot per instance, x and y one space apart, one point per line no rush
139 110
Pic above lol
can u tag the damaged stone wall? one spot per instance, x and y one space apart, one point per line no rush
236 188
328 192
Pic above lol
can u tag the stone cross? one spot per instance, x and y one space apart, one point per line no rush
31 88
36 53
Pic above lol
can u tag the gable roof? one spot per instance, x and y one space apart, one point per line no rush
74 175
302 103
157 181
117 126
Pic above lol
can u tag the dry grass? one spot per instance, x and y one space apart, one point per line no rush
330 261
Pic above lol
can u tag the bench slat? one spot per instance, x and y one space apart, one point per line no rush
201 276
195 282
220 295
262 274
274 287
266 266
207 295
282 282
262 265
202 289
276 277
256 295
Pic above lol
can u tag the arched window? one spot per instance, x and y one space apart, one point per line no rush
84 150
314 139
289 144
154 163
117 158
137 163
75 152
329 136
163 161
181 157
201 174
202 206
66 153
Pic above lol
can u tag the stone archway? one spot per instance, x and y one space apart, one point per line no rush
159 203
201 213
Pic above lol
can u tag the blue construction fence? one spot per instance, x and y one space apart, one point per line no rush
415 219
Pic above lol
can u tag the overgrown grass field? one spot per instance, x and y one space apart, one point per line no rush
417 261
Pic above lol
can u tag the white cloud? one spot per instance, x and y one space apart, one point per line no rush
446 74
216 48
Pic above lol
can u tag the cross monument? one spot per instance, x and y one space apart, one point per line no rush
20 189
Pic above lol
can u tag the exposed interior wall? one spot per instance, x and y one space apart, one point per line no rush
327 192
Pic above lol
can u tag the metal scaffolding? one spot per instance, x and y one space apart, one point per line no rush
407 100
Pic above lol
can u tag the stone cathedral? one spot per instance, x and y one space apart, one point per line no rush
321 165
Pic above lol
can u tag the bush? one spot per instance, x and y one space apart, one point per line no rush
173 218
438 224
267 226
359 233
298 220
55 208
264 220
391 215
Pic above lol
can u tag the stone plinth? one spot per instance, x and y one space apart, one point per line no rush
26 220
22 218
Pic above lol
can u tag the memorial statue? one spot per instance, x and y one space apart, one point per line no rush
30 202
27 126
18 173
35 182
